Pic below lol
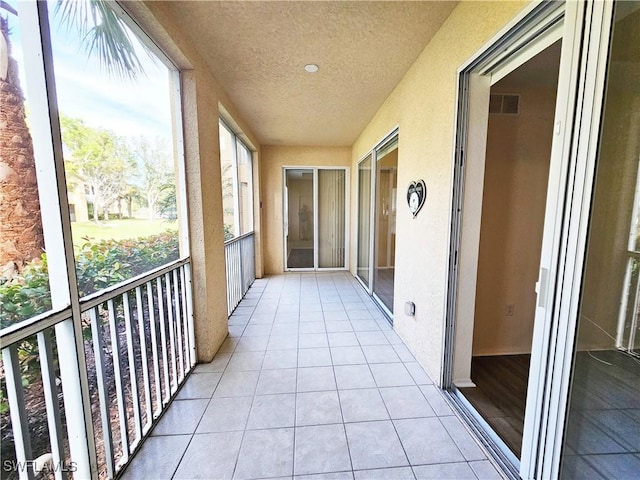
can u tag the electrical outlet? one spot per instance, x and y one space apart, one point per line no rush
509 309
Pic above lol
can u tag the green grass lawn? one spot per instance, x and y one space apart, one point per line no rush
120 229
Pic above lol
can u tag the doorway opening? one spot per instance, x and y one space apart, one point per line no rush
508 189
517 160
315 218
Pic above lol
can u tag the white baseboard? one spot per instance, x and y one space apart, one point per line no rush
464 383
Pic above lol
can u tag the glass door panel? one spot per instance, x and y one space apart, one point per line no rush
385 223
331 218
245 187
229 183
602 437
364 220
299 221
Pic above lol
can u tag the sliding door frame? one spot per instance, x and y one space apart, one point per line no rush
285 207
369 156
390 137
597 37
586 40
544 414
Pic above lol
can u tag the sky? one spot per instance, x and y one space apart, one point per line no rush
127 107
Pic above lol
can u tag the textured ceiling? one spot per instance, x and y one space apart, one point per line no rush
258 50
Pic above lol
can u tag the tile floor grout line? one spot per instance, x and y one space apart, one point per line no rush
344 426
389 413
331 290
207 406
391 420
244 431
295 401
175 470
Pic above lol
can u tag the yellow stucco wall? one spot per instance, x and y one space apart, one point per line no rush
423 106
273 159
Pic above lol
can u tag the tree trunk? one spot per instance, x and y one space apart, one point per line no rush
96 212
21 235
152 207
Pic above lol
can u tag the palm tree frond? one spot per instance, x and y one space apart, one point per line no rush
73 14
104 34
5 6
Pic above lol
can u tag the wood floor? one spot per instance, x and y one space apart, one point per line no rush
603 427
383 285
500 394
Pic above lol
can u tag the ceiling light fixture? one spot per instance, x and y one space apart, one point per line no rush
311 68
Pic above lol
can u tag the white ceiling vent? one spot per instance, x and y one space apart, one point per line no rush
504 104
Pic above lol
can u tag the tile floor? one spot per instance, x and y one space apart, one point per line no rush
312 382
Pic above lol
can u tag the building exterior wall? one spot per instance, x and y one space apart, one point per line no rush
78 198
423 105
273 159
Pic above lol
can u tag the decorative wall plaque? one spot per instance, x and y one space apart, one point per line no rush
416 195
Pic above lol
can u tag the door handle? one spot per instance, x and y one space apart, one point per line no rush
542 287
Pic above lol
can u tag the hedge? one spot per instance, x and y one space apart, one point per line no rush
99 264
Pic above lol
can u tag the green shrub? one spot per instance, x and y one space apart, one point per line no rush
107 262
99 264
25 295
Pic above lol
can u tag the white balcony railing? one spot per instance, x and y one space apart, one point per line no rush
241 269
139 346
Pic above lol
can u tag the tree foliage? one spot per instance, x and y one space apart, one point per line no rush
104 35
99 159
153 158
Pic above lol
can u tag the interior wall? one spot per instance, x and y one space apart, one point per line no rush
617 171
300 193
423 105
274 158
203 100
513 205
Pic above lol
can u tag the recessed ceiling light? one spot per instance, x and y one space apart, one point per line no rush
311 68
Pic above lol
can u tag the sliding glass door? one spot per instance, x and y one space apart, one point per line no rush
385 224
365 178
299 219
377 202
602 438
315 221
331 218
